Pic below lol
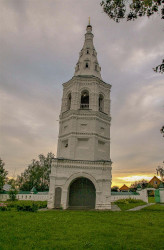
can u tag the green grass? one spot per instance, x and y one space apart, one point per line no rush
151 199
82 230
156 207
126 204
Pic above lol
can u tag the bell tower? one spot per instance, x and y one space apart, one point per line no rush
81 173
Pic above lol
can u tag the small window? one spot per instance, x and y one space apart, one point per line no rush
87 51
65 127
65 144
101 103
83 127
86 65
102 130
69 102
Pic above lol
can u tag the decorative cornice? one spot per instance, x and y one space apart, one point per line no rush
81 164
103 180
87 80
85 113
81 161
88 134
81 167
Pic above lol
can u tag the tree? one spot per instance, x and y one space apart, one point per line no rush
13 194
3 174
12 182
160 171
115 188
37 174
162 130
131 10
143 183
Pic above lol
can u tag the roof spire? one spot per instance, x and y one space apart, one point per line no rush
89 20
87 64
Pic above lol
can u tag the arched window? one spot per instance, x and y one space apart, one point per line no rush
87 51
87 65
69 101
101 103
84 100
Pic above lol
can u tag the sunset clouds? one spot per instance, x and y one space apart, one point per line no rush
40 43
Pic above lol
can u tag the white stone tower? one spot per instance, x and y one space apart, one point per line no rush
81 173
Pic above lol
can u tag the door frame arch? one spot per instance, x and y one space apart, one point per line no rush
83 188
65 192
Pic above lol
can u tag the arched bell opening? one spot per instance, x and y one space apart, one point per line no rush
84 100
82 194
69 101
101 103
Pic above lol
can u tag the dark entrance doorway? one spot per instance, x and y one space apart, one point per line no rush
82 194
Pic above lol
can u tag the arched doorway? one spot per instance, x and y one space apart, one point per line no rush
82 193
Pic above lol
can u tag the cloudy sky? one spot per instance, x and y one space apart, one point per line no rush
39 47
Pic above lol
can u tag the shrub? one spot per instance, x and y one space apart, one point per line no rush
10 203
27 206
3 207
13 194
41 204
127 201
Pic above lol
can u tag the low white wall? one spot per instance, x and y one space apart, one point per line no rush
4 197
44 196
161 191
142 196
31 197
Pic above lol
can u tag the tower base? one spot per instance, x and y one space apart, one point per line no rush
80 183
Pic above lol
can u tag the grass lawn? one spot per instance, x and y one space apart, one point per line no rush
151 199
156 207
126 205
83 229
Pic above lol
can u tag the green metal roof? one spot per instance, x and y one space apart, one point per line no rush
24 192
124 193
3 192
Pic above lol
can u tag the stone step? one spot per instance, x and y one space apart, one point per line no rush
115 208
79 208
